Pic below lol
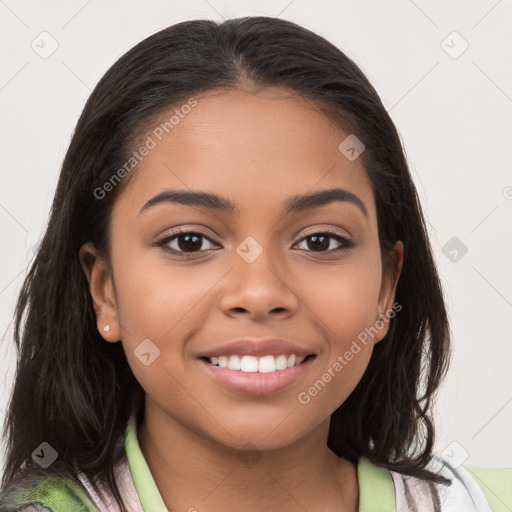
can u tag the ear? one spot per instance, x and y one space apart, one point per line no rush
101 287
385 309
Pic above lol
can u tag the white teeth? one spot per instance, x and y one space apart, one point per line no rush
252 364
267 364
249 364
234 363
281 363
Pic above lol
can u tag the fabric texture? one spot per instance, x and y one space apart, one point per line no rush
53 494
35 508
380 490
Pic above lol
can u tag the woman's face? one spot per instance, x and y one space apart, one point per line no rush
262 270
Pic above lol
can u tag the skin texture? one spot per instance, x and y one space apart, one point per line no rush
256 148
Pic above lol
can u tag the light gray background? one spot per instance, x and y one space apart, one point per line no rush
452 109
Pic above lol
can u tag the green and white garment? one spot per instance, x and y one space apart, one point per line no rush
380 490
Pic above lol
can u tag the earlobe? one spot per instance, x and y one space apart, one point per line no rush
381 325
387 297
101 289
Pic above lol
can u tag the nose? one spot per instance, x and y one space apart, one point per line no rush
257 290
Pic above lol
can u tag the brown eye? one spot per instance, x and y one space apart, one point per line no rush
185 242
321 242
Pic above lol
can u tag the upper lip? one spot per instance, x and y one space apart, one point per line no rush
257 347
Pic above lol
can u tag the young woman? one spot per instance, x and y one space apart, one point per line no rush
235 304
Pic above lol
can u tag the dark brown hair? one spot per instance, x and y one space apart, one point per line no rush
75 391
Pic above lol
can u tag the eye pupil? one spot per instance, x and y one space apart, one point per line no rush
188 245
324 244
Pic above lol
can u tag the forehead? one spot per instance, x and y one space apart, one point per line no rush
253 147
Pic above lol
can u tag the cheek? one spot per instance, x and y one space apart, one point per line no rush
157 306
344 303
346 297
156 297
161 306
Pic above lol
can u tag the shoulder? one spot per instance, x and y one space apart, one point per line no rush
48 494
471 489
496 484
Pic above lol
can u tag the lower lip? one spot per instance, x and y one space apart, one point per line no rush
256 383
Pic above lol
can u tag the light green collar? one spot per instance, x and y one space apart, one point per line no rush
376 490
145 485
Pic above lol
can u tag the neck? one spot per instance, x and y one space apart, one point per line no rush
193 471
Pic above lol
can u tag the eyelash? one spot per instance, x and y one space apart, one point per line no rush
347 244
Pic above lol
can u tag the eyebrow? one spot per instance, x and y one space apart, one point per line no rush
293 204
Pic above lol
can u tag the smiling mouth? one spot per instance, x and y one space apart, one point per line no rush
253 364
